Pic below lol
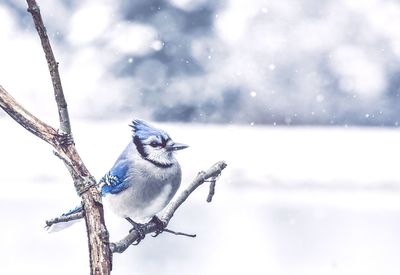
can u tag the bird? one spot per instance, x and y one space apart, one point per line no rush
144 178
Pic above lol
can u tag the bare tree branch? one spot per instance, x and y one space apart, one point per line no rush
213 172
65 126
85 184
66 218
98 239
26 119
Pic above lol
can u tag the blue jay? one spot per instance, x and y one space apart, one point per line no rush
144 178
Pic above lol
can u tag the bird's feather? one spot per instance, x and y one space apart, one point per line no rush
142 130
115 180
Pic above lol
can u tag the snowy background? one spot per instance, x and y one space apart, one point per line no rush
282 62
231 79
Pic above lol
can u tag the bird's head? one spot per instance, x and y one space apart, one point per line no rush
154 145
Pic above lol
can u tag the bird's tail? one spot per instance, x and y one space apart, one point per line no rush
65 220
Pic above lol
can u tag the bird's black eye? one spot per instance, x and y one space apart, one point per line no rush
154 144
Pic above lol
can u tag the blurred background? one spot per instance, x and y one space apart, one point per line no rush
299 97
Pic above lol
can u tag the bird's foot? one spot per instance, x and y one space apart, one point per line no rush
139 228
160 226
64 139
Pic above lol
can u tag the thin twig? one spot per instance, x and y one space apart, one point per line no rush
213 172
151 226
211 191
65 125
80 215
179 233
66 218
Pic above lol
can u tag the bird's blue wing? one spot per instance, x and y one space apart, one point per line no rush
115 181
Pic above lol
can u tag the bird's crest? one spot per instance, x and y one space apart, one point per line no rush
143 130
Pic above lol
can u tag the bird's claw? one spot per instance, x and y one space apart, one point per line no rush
160 226
140 230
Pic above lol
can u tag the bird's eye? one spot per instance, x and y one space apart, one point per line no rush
154 144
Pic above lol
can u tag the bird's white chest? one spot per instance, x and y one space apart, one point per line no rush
149 192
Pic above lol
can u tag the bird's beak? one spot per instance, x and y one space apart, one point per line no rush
176 146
